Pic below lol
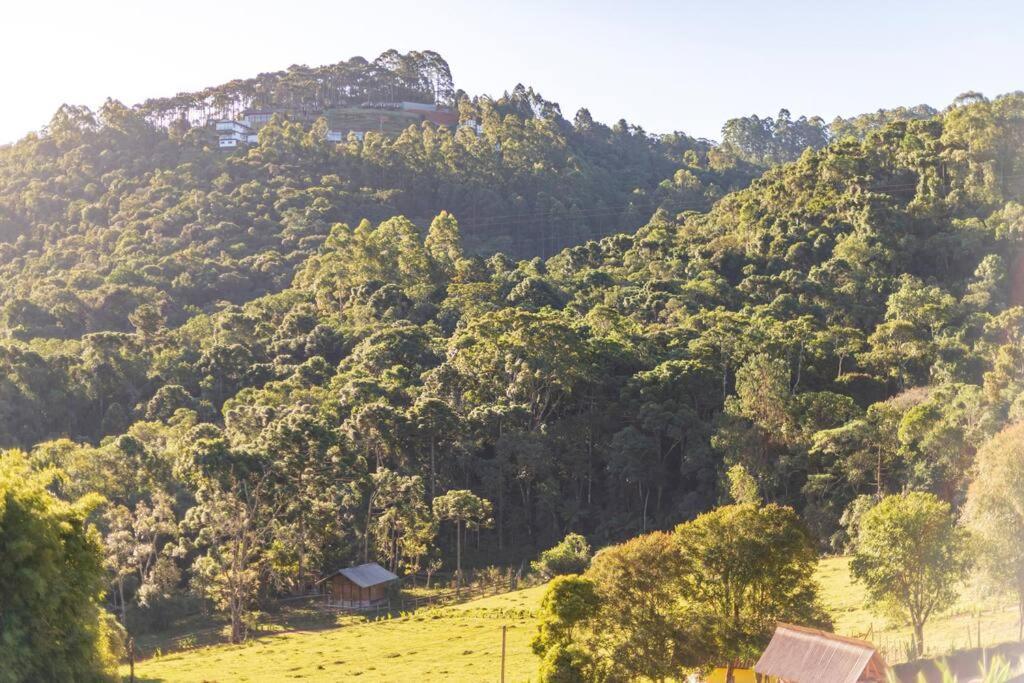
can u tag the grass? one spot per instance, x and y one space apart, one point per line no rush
459 643
977 617
462 643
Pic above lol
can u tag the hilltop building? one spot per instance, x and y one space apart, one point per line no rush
231 134
386 117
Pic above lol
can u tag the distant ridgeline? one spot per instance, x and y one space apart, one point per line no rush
345 142
422 77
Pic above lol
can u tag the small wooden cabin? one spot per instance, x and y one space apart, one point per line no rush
805 655
358 587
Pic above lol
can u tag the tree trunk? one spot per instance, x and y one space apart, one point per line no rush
236 624
120 597
458 558
878 476
366 535
1020 616
501 507
433 479
643 513
730 673
302 537
918 639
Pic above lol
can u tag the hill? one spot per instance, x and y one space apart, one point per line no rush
303 355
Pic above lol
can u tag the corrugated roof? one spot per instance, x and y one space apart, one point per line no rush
807 655
366 575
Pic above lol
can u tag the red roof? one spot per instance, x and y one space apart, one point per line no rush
442 118
807 655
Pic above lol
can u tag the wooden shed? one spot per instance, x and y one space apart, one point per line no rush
805 655
357 587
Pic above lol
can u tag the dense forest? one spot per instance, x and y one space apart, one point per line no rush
315 354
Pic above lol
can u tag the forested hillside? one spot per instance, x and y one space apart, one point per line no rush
314 354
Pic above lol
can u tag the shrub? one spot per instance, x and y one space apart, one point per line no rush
571 556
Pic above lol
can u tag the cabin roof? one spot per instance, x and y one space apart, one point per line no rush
797 653
365 575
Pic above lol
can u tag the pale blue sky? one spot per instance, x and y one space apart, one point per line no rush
663 65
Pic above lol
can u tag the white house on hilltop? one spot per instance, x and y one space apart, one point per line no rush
231 134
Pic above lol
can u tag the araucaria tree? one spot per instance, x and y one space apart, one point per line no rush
467 511
911 557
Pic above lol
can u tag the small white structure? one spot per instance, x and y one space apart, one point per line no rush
255 118
228 126
416 106
473 125
231 134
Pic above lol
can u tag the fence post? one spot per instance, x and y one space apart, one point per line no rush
504 628
131 660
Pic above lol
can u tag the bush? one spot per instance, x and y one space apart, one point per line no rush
571 556
52 627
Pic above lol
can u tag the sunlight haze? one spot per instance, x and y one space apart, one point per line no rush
702 62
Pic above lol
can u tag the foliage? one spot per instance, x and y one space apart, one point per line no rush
51 582
570 556
344 329
643 628
742 487
744 569
568 602
911 557
994 513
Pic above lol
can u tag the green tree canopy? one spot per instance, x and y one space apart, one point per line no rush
53 626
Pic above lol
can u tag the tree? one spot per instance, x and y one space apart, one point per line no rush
910 555
51 582
742 486
136 546
231 524
994 512
569 602
644 628
436 424
402 525
444 243
467 511
233 527
743 568
297 444
570 556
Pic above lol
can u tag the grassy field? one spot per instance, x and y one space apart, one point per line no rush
463 643
976 614
459 643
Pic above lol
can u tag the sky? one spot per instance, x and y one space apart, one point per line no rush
666 66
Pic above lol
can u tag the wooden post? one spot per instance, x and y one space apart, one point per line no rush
503 630
131 660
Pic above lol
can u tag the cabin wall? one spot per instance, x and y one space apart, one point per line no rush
347 594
